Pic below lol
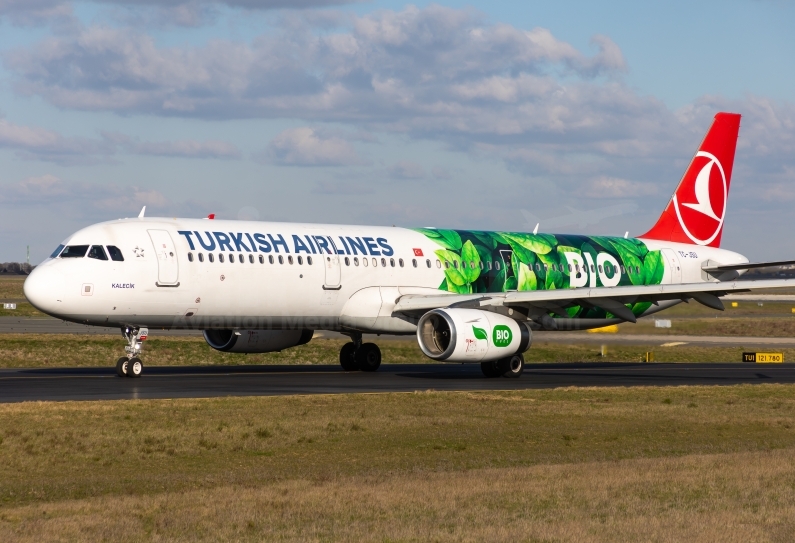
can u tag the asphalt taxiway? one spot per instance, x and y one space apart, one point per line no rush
17 385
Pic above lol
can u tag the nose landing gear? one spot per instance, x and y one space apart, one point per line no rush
131 365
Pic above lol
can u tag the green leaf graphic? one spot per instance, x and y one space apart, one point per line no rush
486 239
527 279
510 284
470 259
531 242
480 333
450 239
654 268
452 264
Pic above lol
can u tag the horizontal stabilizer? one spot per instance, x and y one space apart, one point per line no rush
749 266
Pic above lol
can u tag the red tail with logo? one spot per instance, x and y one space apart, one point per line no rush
697 209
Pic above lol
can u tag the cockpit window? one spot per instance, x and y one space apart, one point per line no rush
74 251
115 253
57 251
97 252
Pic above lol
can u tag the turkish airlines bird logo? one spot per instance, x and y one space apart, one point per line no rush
701 203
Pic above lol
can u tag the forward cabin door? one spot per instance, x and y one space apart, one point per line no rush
672 262
166 252
333 272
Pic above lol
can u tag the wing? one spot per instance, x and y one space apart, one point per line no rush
612 299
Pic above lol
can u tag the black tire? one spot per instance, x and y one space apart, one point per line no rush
490 369
348 357
511 366
135 367
121 367
368 357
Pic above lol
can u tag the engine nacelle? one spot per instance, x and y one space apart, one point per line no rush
471 335
256 341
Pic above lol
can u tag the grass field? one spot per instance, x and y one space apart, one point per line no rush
57 350
644 464
11 287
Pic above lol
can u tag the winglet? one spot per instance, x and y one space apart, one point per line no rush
141 214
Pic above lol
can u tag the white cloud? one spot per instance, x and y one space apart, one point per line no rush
38 143
552 113
178 12
614 187
405 169
304 146
50 190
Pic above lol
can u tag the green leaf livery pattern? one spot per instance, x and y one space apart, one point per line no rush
481 262
480 333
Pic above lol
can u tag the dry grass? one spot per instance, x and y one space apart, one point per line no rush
64 350
11 287
651 464
75 350
747 326
735 497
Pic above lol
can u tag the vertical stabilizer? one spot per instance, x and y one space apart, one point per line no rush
697 208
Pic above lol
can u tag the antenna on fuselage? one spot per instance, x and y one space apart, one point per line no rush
535 230
141 214
626 234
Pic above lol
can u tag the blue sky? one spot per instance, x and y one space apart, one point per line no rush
460 114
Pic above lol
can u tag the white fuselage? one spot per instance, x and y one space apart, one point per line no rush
355 276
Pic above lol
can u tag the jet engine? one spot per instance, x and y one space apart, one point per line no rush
471 335
255 341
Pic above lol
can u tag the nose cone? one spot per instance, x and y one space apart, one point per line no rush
43 288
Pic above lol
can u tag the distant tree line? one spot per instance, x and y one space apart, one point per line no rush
15 268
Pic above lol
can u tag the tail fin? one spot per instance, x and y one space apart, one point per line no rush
697 209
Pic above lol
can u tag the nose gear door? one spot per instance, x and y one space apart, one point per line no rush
167 265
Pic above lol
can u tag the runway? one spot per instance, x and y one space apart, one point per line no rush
204 382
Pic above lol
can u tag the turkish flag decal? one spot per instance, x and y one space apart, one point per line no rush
418 252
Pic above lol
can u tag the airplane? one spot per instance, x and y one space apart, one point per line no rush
469 296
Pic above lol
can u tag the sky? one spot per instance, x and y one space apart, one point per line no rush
482 115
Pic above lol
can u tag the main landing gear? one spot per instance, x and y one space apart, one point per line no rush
360 356
131 365
511 366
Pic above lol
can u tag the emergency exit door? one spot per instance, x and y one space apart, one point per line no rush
166 253
333 272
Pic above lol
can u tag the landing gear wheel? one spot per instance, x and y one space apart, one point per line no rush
512 366
490 369
135 367
368 357
121 367
348 357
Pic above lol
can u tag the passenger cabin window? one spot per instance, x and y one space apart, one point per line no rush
115 253
210 257
309 261
261 259
201 257
190 257
98 252
75 251
220 257
250 259
57 251
428 262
